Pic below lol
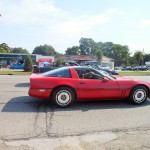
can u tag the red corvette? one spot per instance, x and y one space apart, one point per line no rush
67 84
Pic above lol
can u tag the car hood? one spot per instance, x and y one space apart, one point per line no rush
131 81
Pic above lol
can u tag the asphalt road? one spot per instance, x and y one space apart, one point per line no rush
24 117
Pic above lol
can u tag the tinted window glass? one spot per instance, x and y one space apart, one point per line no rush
60 72
89 74
41 69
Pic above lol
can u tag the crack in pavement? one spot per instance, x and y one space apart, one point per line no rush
47 132
79 134
44 132
36 121
49 118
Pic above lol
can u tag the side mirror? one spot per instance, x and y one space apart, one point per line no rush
105 79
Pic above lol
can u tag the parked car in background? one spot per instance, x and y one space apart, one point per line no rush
140 68
106 69
17 66
70 63
39 69
127 68
118 68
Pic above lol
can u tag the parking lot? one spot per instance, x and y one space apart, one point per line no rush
25 118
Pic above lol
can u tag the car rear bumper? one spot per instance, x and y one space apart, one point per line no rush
40 93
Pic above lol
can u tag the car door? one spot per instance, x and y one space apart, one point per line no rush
97 89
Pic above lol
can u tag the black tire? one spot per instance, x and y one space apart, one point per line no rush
138 95
63 96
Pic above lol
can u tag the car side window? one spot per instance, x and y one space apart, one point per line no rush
88 74
60 72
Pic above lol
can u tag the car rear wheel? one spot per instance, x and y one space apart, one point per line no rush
138 95
63 96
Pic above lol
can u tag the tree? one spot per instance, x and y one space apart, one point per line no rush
19 50
4 48
28 64
87 46
132 61
58 62
119 53
44 50
106 48
99 55
73 50
138 56
146 57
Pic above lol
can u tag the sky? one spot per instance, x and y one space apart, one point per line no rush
62 23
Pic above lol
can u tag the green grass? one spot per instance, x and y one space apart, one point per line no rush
13 72
134 73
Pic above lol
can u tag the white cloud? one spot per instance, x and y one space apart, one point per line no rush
80 25
48 16
99 19
111 11
46 23
144 23
139 46
27 11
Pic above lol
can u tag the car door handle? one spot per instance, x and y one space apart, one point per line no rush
81 82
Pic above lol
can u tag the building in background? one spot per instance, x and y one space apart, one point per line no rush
15 58
85 59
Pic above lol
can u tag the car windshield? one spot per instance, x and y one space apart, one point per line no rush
105 74
59 72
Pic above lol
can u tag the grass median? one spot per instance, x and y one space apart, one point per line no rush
134 73
13 72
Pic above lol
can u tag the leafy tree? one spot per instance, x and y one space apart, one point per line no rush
87 46
146 57
4 48
73 50
132 61
28 64
19 50
119 53
99 55
58 62
138 56
44 50
107 48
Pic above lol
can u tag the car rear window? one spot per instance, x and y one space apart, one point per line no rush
41 69
59 72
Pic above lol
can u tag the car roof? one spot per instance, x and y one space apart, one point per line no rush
80 67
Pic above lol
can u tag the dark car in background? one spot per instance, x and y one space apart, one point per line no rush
39 69
140 68
135 68
127 68
70 63
106 69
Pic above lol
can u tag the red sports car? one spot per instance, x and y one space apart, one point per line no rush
67 84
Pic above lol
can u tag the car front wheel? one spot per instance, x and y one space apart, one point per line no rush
63 96
138 95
